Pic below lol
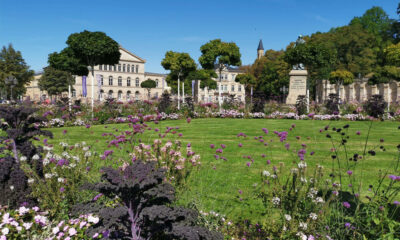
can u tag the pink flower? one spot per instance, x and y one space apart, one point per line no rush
188 120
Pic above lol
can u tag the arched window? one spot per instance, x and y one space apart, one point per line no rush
128 68
119 95
110 80
128 95
128 82
123 68
101 94
157 83
101 80
137 95
120 81
137 82
110 94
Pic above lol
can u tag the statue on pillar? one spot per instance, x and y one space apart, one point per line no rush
299 41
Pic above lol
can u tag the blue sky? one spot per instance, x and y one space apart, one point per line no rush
149 28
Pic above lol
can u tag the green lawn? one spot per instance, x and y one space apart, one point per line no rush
215 186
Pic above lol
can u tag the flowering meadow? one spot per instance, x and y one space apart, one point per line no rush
147 177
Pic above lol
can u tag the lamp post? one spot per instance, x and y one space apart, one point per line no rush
12 81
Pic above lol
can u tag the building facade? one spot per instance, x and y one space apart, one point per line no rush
120 81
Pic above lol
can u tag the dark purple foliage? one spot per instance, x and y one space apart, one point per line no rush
145 212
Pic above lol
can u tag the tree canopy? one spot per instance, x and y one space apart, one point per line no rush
341 76
148 84
94 48
67 61
13 64
180 65
216 52
55 81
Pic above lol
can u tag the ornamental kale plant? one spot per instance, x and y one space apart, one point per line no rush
142 210
332 104
21 126
375 106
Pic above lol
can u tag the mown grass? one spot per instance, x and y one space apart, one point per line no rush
216 184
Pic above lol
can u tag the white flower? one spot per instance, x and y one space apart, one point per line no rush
47 148
27 226
313 216
60 180
88 154
35 157
288 217
303 179
5 231
302 165
302 236
83 143
276 200
85 149
46 161
265 173
19 228
93 219
64 144
48 175
12 187
72 165
22 158
303 225
55 230
22 210
319 200
274 176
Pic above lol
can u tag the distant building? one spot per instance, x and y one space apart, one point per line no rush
260 50
120 81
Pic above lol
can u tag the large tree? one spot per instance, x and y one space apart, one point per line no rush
148 84
94 48
180 66
271 72
55 81
12 64
220 55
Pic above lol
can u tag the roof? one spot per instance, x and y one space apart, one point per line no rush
260 45
141 59
155 74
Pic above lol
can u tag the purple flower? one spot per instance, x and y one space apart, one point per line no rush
180 134
212 146
188 120
240 145
223 146
396 203
62 189
349 172
263 155
87 125
358 133
248 164
265 130
219 150
347 225
346 204
189 145
97 196
287 146
240 191
268 162
312 153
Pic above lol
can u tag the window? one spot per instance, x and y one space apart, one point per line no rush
101 80
120 81
156 83
128 68
73 93
226 76
239 88
100 67
156 95
119 67
133 68
128 95
123 68
137 68
128 82
101 94
119 95
110 94
233 88
110 80
233 76
137 82
137 94
115 68
226 88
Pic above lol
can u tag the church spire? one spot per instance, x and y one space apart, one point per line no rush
260 50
